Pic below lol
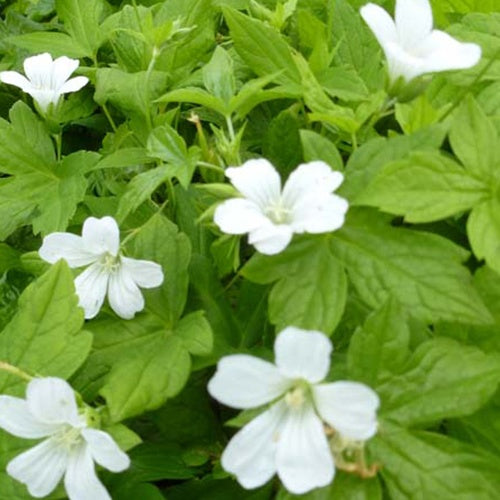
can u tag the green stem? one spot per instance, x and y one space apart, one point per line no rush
14 370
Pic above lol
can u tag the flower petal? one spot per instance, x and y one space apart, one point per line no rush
243 381
239 216
105 451
81 481
145 273
413 22
62 68
15 78
101 235
271 239
319 214
124 295
74 84
349 407
303 458
67 246
441 52
309 178
40 468
256 180
91 287
380 22
250 454
303 354
16 418
37 69
51 400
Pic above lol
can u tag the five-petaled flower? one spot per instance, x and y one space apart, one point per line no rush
47 79
289 438
108 273
70 449
411 46
270 215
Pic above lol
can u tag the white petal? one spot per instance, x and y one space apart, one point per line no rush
145 273
44 97
14 78
62 68
380 22
38 69
101 235
303 458
52 400
243 381
74 84
271 239
256 180
442 52
124 295
16 419
319 213
349 407
81 481
251 453
105 451
239 216
413 21
91 287
402 63
303 354
315 176
67 246
40 468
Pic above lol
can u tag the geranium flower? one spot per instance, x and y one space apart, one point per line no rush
289 438
71 448
411 46
108 273
271 216
47 79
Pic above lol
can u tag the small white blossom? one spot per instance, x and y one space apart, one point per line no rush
289 438
46 80
411 46
108 273
71 448
271 216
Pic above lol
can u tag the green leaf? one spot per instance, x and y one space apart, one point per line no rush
483 229
422 270
81 20
166 144
318 147
58 44
262 48
380 348
160 241
311 286
196 96
418 465
425 187
218 75
365 163
44 337
195 333
443 379
140 189
474 139
126 157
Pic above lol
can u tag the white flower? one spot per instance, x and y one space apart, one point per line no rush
109 272
71 448
47 79
289 438
271 216
411 46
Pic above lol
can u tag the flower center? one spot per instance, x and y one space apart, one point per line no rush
278 213
298 395
110 263
69 437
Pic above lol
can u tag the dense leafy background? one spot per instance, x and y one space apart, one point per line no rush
408 289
